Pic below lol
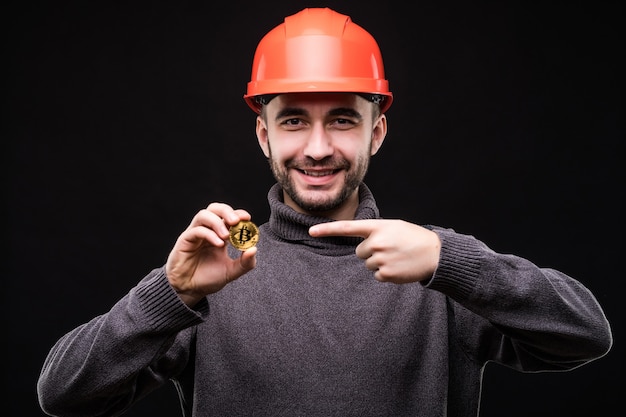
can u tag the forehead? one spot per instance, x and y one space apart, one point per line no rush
319 100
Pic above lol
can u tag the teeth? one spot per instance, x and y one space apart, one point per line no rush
318 173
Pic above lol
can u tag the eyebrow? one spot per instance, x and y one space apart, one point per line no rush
339 111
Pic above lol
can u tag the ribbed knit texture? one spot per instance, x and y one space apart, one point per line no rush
287 225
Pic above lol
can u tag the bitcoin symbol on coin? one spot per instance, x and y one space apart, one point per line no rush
244 235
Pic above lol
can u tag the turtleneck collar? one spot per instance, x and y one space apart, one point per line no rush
289 225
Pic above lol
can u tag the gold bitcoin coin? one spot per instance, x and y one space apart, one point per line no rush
244 235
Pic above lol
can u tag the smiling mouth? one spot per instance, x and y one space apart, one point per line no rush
319 173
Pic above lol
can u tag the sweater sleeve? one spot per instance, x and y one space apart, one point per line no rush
510 311
102 367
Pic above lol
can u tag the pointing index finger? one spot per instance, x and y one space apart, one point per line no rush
360 228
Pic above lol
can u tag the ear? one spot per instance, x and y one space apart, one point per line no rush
261 135
379 132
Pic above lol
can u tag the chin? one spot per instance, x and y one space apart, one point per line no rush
322 202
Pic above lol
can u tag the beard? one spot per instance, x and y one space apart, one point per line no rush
355 173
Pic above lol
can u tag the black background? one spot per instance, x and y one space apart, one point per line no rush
122 120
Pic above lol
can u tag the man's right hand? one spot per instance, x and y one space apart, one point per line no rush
199 264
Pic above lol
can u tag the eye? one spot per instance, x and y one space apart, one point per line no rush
343 123
293 123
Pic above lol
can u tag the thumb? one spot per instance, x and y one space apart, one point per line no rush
247 261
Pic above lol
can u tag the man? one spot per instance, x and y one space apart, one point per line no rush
335 311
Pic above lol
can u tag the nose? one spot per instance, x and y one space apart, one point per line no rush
319 144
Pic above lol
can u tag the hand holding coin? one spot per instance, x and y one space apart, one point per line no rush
199 263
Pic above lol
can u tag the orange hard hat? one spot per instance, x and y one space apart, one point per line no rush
317 50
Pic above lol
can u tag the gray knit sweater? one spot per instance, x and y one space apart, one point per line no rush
310 332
